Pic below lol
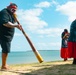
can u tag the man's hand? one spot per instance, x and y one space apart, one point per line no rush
19 27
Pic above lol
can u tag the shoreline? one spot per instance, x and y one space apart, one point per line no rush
23 57
45 68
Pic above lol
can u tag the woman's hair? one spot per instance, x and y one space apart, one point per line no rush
65 30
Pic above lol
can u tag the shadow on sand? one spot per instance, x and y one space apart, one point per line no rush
67 69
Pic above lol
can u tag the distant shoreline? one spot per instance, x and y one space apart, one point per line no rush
25 57
31 50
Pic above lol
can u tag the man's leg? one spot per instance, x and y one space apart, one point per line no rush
4 59
5 50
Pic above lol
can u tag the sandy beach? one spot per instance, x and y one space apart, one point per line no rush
45 68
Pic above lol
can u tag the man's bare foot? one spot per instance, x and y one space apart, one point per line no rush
5 67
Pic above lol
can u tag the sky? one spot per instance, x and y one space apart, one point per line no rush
43 21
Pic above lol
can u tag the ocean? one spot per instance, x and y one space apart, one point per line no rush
29 56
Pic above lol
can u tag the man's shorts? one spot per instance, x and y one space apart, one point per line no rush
5 45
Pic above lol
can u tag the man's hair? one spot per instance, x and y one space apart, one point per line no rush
13 4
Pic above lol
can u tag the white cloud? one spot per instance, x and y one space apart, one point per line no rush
68 9
32 21
43 4
31 18
53 32
54 2
49 45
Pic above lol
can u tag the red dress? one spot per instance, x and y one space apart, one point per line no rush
64 53
72 49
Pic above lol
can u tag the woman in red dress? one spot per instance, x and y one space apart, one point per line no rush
64 47
72 42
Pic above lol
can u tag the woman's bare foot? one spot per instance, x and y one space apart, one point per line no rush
65 59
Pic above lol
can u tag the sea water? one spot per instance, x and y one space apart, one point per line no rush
29 56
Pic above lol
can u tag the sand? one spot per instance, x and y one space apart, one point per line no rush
45 68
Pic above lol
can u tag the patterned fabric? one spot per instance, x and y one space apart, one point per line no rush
64 41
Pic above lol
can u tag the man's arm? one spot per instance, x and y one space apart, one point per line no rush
10 25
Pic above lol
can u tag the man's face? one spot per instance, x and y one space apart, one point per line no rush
13 9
